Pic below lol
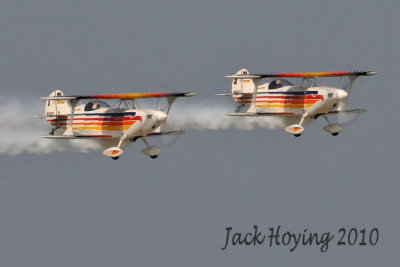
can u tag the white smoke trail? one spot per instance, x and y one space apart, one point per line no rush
19 132
210 115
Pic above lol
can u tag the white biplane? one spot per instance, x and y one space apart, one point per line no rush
298 105
113 128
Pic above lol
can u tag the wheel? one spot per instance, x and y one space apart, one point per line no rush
51 133
115 158
334 134
297 135
154 157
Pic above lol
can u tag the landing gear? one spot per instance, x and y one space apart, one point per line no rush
115 152
151 151
53 130
317 116
333 129
297 129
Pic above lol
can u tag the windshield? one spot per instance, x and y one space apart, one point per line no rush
93 105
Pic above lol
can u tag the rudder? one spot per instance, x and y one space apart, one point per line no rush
57 107
243 85
244 90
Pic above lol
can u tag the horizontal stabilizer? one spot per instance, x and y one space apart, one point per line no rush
243 76
50 116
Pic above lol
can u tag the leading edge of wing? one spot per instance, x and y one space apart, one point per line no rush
303 74
128 96
334 112
166 133
77 136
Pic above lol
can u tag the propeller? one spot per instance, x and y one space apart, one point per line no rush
345 118
342 105
169 139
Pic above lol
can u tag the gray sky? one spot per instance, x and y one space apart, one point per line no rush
77 209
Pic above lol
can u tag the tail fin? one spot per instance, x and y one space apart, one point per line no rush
244 84
57 107
244 89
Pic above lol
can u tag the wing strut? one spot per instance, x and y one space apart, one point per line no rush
69 130
170 100
252 108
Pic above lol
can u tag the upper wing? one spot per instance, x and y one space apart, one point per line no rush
129 96
303 74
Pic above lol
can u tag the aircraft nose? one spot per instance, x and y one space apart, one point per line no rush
161 116
341 94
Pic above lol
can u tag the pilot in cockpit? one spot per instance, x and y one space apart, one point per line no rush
275 84
95 106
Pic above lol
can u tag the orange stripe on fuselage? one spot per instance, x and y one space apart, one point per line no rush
294 106
282 101
99 123
102 128
64 118
319 97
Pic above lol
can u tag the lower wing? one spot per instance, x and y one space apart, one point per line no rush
78 136
333 112
166 133
105 136
257 114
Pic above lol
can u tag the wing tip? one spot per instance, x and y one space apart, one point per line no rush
243 76
370 73
189 94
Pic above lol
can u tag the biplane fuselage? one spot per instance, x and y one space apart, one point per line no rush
112 127
292 100
110 122
279 97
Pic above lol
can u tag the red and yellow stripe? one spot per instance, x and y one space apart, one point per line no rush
99 123
293 102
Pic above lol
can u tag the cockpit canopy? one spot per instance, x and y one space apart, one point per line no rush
275 84
96 104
